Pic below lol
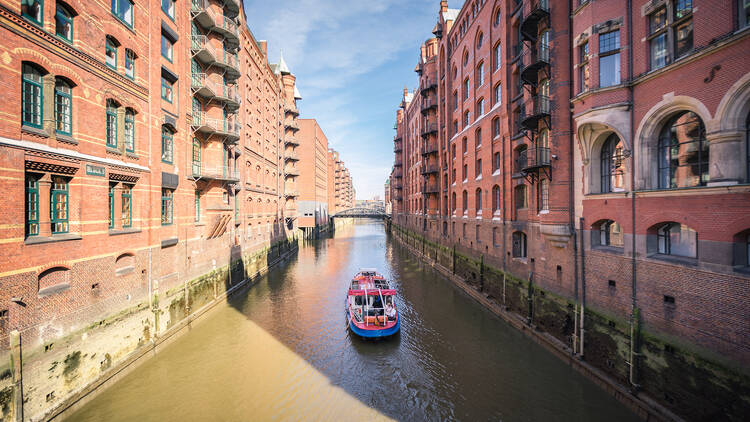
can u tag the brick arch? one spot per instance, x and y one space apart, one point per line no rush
28 55
667 216
67 73
734 107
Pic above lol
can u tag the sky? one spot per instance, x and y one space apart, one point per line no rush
352 59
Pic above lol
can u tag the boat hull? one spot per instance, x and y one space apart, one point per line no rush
379 333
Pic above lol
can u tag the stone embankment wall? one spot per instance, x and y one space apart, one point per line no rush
52 380
675 380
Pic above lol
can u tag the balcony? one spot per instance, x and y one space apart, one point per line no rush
428 104
229 62
430 148
430 169
538 12
398 198
534 61
232 6
291 140
398 186
211 90
432 188
397 174
291 156
537 108
292 172
429 84
216 22
291 124
397 162
429 129
533 158
221 173
202 50
291 108
228 129
291 194
397 148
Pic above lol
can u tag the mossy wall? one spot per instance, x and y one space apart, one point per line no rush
679 377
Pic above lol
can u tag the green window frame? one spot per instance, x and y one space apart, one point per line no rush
112 128
64 23
63 108
167 143
196 157
32 205
167 196
33 96
111 213
197 112
33 10
129 63
59 209
123 11
129 130
166 90
197 206
167 47
110 53
236 210
167 6
127 206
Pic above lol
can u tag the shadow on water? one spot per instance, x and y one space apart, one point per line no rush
283 343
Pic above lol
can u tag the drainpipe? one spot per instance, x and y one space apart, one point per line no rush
571 199
583 290
635 314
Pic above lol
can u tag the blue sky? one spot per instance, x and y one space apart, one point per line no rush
352 59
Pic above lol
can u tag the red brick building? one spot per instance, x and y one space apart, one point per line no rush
599 150
313 184
340 188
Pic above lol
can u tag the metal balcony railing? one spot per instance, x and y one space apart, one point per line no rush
225 173
291 156
538 11
428 104
429 83
536 108
291 124
533 158
202 85
430 169
397 162
291 108
229 128
430 148
291 140
429 128
213 21
397 147
533 61
291 172
431 188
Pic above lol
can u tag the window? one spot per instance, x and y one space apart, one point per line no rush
496 199
677 239
498 16
466 88
744 15
480 108
495 128
166 47
166 206
64 23
480 40
63 107
521 200
676 26
497 56
544 195
166 144
196 157
455 100
129 130
32 205
123 9
609 58
465 172
465 201
32 96
129 63
519 245
166 89
584 71
498 94
453 202
478 138
33 10
197 112
612 165
495 161
168 7
464 145
683 152
111 124
610 234
110 53
197 203
478 200
111 208
480 75
59 204
466 58
453 176
466 118
478 168
127 206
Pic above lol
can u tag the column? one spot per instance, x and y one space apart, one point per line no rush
726 165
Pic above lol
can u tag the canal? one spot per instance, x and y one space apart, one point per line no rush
280 350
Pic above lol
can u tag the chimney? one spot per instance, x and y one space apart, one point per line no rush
444 5
406 91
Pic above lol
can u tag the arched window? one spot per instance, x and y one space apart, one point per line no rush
608 233
521 197
64 22
520 157
478 138
33 10
31 108
111 125
676 239
167 144
110 52
129 130
612 165
478 200
465 201
453 202
683 152
544 45
498 17
466 58
63 107
519 245
496 199
480 40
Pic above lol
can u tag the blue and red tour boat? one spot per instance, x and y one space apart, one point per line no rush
371 305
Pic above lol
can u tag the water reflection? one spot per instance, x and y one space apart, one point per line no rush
281 350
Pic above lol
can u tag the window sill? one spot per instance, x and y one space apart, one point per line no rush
124 231
169 242
673 259
131 155
37 240
521 260
111 150
615 250
200 224
58 288
35 131
67 139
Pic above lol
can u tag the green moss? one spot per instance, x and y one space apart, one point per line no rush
6 399
70 365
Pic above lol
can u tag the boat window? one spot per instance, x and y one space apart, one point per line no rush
358 300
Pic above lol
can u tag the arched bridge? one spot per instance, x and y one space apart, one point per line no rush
361 213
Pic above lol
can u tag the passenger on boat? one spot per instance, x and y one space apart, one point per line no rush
390 310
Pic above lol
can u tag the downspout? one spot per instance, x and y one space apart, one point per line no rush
635 314
583 291
571 199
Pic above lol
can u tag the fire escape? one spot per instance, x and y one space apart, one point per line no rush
430 161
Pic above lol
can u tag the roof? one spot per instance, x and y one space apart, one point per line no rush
297 95
451 14
283 68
